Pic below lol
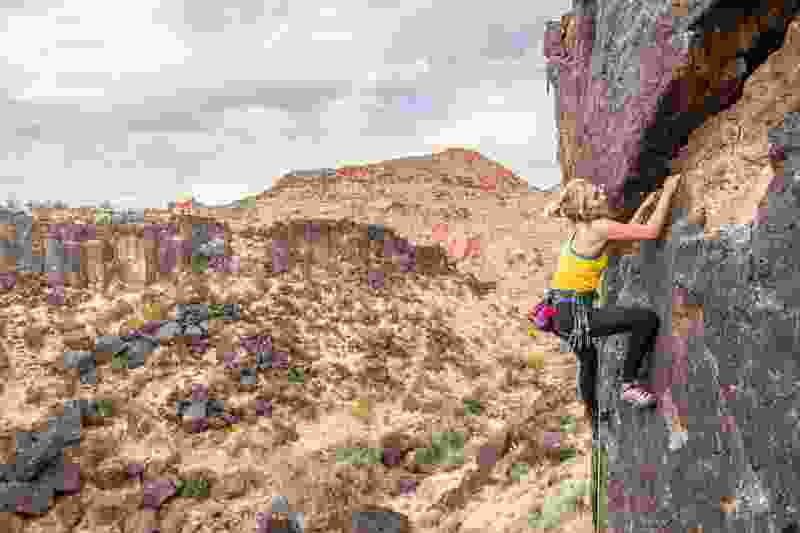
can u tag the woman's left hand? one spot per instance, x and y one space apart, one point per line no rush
638 217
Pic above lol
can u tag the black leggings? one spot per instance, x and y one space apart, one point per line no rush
643 325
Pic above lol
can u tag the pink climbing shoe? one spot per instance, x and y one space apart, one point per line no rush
637 395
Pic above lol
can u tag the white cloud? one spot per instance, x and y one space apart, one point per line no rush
276 35
220 193
254 97
505 128
131 43
331 36
496 99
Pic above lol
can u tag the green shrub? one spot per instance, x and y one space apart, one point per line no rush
104 407
199 264
192 488
429 456
567 454
565 502
519 471
119 361
296 375
359 456
447 448
448 439
568 424
472 407
216 310
248 203
103 216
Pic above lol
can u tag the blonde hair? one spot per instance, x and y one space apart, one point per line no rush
579 201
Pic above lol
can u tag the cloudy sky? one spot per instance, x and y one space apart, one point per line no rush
138 102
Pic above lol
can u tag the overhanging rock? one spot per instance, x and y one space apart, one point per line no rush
633 82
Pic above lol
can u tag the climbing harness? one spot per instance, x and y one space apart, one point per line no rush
581 303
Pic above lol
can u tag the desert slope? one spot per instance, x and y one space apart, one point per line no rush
383 365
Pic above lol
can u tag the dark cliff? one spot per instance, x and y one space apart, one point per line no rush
709 89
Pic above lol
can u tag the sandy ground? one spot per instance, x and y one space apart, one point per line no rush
384 366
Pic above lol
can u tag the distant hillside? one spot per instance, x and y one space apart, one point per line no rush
453 167
198 204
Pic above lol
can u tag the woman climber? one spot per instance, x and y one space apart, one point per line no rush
578 292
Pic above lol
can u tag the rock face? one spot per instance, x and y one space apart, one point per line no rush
132 247
703 89
17 229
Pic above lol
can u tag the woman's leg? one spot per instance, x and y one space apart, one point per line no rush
587 377
642 324
587 380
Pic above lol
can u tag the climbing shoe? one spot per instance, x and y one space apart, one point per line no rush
637 395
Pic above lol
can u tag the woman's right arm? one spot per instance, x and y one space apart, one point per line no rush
660 213
616 231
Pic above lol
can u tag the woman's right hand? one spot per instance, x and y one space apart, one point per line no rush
671 183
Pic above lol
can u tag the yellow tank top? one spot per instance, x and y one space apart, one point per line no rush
578 273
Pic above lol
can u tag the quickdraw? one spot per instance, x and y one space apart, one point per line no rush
541 315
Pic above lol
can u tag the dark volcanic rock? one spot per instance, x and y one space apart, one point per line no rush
741 293
375 519
728 307
40 470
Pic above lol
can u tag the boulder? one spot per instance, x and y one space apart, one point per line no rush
377 519
82 360
196 409
169 331
138 349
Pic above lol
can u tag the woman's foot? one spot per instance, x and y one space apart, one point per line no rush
637 395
